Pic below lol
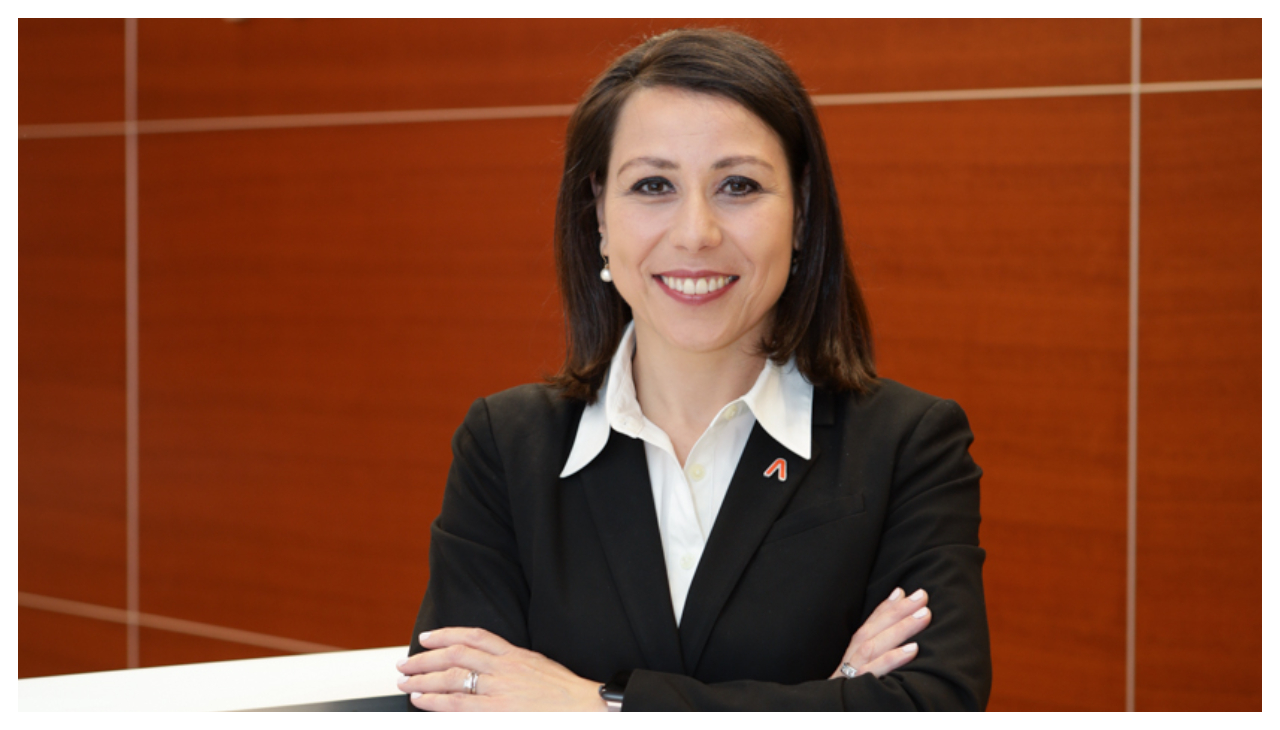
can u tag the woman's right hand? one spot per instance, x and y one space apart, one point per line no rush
877 645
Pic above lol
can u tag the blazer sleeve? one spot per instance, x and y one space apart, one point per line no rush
474 557
929 540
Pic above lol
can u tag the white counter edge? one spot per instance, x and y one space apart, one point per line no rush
237 685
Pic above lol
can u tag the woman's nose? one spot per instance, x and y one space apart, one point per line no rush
696 226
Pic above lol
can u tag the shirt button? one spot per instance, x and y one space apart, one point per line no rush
730 412
687 562
698 472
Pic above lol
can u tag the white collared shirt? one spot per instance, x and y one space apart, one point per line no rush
688 499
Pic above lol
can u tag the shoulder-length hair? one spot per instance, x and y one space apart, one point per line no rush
820 318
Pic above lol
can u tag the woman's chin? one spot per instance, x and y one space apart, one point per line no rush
706 340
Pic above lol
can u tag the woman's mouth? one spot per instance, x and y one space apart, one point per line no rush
696 288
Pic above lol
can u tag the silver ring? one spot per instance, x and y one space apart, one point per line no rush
470 684
848 670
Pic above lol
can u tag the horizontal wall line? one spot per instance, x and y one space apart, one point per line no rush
420 116
292 121
165 623
1033 92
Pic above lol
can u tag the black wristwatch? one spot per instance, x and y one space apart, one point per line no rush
613 690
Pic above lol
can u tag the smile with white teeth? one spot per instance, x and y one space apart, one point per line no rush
697 286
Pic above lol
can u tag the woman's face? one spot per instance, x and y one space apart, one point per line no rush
696 216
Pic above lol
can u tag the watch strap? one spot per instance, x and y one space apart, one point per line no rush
613 691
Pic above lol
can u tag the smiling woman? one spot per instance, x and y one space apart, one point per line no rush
715 504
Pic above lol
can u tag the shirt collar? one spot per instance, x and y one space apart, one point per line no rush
781 401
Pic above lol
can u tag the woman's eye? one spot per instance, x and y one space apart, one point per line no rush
651 186
740 186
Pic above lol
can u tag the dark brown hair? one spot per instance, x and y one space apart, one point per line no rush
820 317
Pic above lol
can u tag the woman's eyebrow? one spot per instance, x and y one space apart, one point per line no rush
657 162
664 164
740 160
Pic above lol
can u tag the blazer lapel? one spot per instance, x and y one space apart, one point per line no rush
621 502
750 508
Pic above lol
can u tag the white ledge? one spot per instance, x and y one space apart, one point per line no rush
247 684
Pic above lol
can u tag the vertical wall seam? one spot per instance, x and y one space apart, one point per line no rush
1131 476
131 338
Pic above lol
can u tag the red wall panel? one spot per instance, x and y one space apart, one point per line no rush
1200 439
897 54
54 643
71 397
70 70
322 307
209 67
159 648
1201 49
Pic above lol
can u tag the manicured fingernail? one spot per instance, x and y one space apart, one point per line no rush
422 638
402 680
401 663
918 595
897 593
910 648
921 613
416 695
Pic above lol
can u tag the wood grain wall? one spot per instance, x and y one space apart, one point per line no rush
318 305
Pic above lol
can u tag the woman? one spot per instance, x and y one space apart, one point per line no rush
715 491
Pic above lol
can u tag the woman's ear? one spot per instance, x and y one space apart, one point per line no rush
597 190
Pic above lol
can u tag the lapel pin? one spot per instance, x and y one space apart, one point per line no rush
779 467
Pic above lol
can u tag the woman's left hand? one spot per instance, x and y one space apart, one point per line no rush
508 677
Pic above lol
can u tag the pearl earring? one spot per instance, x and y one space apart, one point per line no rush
605 276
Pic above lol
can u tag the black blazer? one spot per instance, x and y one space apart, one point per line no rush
573 568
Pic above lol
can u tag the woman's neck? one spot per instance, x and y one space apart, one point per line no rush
682 391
